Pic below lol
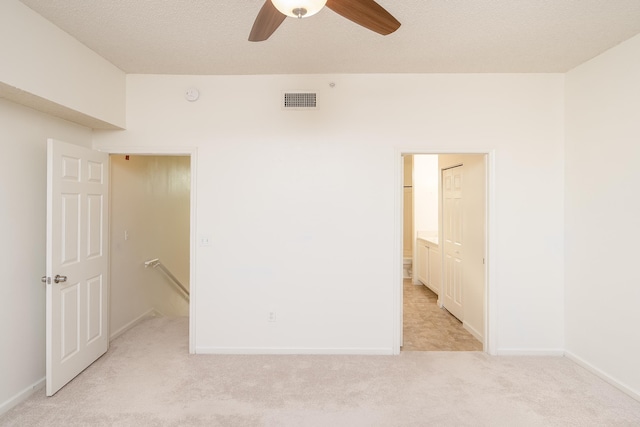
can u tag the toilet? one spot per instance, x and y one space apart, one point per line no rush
406 268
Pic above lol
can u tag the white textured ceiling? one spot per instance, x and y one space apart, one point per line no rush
436 36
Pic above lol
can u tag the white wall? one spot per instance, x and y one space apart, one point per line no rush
23 168
300 205
425 192
150 201
425 201
602 211
44 67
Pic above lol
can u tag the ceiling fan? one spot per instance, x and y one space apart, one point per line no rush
367 13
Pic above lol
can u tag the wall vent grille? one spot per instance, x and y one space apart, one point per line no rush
300 100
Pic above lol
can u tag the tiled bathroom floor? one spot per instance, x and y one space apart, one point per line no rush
429 328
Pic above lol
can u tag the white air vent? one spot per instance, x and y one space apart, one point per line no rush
299 101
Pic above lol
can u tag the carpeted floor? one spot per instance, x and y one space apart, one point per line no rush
148 379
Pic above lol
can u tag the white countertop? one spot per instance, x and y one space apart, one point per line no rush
429 236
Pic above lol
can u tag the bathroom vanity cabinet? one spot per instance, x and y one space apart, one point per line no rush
429 263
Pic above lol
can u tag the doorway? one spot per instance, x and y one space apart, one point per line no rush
439 259
153 215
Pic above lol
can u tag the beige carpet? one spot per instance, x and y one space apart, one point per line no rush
148 379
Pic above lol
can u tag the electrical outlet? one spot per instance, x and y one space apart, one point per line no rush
271 317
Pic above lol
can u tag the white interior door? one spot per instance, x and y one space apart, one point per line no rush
77 260
453 253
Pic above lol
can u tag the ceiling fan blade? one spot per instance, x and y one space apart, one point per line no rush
367 13
268 20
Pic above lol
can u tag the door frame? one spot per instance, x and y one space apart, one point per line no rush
490 293
192 152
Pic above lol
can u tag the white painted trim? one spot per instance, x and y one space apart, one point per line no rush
150 151
491 300
556 352
396 254
193 153
147 314
476 334
20 397
193 289
491 292
603 375
295 351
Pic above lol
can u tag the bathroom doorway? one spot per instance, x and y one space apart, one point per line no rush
432 264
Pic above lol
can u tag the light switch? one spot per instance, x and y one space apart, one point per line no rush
205 240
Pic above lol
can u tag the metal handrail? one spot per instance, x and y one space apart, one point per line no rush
156 263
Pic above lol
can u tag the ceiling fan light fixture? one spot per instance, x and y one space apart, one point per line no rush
299 8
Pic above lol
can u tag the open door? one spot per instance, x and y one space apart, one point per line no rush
453 253
76 261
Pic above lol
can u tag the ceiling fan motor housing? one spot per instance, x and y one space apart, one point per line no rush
300 11
299 8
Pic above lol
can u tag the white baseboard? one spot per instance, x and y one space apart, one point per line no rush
301 351
150 313
477 335
598 372
433 289
530 352
22 396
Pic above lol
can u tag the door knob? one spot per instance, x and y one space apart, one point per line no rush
60 279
